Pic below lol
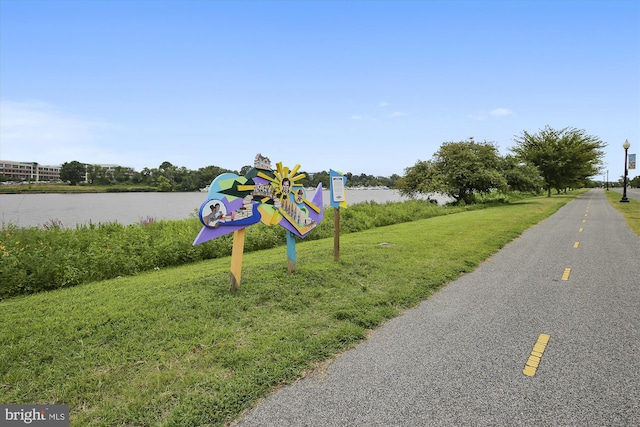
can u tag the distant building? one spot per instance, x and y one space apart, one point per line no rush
33 171
29 171
110 169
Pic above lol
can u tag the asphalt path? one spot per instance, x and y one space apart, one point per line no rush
460 357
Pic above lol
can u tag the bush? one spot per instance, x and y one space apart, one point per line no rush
38 259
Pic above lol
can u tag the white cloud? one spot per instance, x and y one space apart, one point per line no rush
38 131
501 112
356 117
397 114
477 116
382 104
483 115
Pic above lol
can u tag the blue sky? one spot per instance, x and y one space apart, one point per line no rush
355 86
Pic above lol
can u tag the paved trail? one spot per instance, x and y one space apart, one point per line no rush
458 358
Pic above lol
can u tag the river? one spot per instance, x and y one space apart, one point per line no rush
27 210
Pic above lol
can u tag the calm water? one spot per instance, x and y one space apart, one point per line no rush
27 210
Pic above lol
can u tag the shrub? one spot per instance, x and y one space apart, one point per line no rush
36 259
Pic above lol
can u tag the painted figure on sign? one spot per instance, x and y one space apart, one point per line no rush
286 186
215 215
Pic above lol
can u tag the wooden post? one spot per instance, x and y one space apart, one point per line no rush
336 234
236 258
291 252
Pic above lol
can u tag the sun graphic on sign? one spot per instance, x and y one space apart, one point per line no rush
287 188
286 179
284 197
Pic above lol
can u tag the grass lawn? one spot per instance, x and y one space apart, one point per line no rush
174 347
630 211
46 187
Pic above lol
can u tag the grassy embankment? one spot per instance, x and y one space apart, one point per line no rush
630 211
45 187
175 347
52 256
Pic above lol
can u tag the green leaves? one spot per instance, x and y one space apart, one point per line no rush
73 172
459 169
565 157
551 158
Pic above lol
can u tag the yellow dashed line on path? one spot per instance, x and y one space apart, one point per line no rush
575 245
533 362
580 230
565 275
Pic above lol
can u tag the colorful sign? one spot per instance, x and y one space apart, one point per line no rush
632 161
274 197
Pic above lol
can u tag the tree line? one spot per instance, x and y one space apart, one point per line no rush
548 160
168 177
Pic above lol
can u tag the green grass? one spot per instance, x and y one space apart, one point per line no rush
630 211
174 347
36 259
52 187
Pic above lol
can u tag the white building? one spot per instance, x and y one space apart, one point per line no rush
35 172
29 171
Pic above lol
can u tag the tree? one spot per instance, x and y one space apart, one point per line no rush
73 171
169 171
204 176
459 169
93 172
99 175
317 178
421 178
164 184
565 157
121 174
165 165
146 176
521 176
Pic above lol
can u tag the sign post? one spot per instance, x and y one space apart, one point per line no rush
338 196
336 234
237 252
291 252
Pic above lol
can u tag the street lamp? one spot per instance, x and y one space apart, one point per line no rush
626 146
